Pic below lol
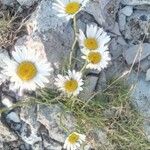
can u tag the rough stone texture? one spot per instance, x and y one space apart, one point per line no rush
6 135
141 93
13 116
90 85
128 10
8 2
135 2
27 3
100 139
137 53
110 12
46 121
51 117
95 8
137 26
148 75
3 54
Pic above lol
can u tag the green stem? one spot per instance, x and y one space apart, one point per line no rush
75 41
73 102
84 66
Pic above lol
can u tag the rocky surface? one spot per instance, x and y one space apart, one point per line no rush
128 24
135 2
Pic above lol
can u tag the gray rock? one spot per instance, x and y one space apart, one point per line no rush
13 116
45 18
148 75
7 102
94 8
137 26
52 117
8 2
101 83
110 12
135 2
144 65
46 125
122 21
3 54
29 129
118 69
27 3
116 49
89 87
141 93
127 10
116 30
137 53
103 3
100 139
6 135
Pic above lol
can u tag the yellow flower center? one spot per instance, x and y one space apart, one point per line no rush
91 43
71 85
73 138
72 8
26 70
94 57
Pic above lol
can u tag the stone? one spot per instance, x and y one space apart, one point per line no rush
27 3
110 12
8 2
122 21
104 3
3 54
13 116
140 94
116 49
135 2
118 69
127 10
101 83
7 102
94 8
89 86
148 75
29 129
100 139
51 118
137 26
144 65
6 135
137 53
116 30
44 18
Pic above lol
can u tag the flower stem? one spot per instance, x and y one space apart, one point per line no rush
84 66
75 41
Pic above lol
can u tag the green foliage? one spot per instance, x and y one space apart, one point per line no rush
110 110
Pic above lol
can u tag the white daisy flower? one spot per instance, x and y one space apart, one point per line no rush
27 70
74 140
95 39
70 84
68 8
96 59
